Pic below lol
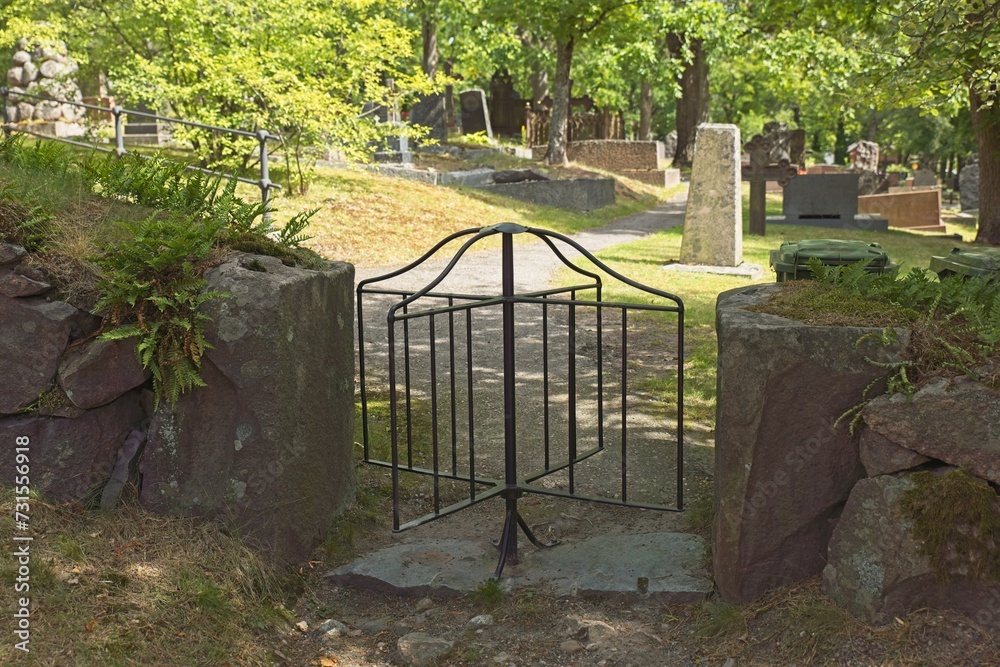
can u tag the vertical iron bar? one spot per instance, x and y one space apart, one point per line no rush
600 372
680 408
361 378
393 423
434 415
509 545
5 94
265 175
545 378
624 403
406 378
117 111
572 391
451 367
472 418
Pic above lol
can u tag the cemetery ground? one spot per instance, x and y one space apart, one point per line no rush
135 589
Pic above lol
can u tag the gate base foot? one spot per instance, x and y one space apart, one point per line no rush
508 538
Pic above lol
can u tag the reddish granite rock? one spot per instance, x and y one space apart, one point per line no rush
33 335
99 371
883 457
876 572
782 471
956 421
71 458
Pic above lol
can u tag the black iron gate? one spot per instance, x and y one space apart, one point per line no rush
555 363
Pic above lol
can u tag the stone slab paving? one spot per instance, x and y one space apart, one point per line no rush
666 566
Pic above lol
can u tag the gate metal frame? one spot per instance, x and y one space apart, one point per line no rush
511 487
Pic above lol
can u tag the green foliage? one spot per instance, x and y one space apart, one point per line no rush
955 518
154 277
151 282
954 324
489 593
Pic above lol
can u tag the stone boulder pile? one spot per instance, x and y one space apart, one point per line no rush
266 446
876 567
48 72
798 494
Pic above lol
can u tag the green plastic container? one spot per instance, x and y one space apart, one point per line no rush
968 262
789 261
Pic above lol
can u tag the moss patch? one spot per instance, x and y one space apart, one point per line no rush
955 518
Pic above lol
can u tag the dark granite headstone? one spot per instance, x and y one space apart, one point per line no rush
475 116
825 200
821 196
430 112
968 186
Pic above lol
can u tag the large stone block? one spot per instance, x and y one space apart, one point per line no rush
782 470
955 421
876 571
268 444
100 371
616 155
713 223
33 335
580 194
72 458
475 112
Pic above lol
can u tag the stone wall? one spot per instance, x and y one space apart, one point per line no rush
266 447
796 496
643 161
45 71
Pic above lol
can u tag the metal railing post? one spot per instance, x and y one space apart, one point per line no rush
5 94
119 133
265 176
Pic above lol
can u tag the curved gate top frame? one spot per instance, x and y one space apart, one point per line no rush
511 487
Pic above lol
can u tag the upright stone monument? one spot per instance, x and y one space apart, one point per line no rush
475 115
968 186
430 112
713 223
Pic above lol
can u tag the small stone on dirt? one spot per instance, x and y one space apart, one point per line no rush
418 648
571 646
481 620
302 626
331 628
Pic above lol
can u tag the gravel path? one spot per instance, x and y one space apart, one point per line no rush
535 263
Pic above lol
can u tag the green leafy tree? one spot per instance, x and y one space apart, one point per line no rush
301 67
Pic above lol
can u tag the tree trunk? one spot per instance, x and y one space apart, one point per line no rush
986 125
646 110
692 105
559 121
430 39
539 88
840 143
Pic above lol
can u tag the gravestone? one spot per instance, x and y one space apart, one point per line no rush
431 112
924 178
825 200
769 161
475 116
713 223
968 186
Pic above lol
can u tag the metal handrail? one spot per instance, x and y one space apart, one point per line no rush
262 136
